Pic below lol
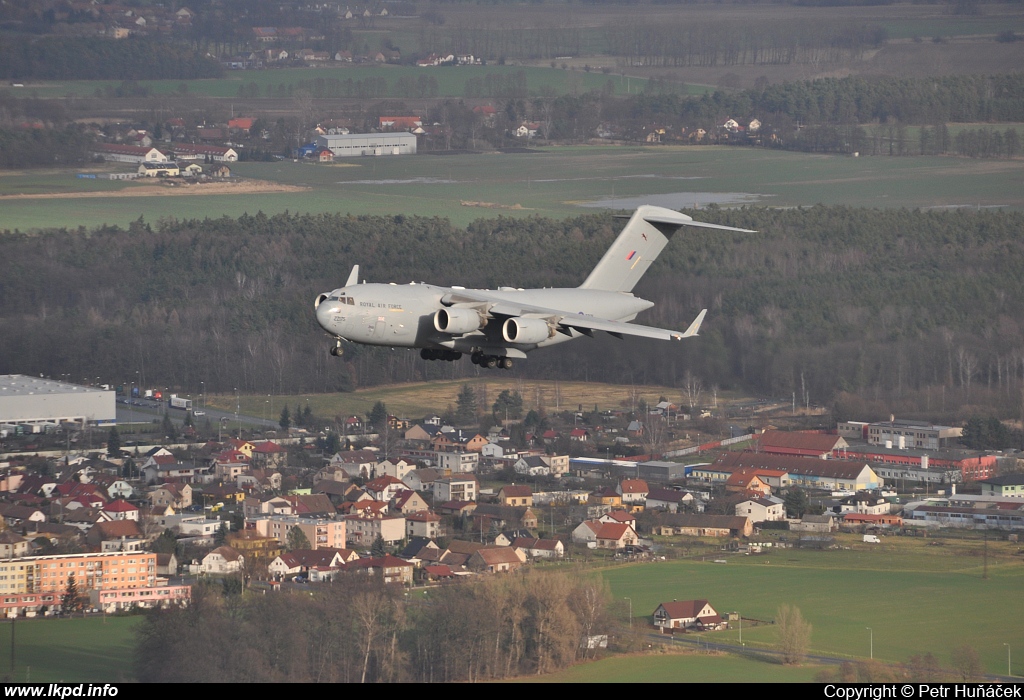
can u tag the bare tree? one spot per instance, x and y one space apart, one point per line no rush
692 389
966 662
794 634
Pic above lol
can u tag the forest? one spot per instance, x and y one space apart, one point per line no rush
79 58
918 309
358 630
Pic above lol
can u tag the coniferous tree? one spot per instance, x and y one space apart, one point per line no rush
114 443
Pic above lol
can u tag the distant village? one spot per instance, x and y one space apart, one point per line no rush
425 503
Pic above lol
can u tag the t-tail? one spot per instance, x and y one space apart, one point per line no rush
646 234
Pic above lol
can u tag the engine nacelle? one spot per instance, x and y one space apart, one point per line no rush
526 330
458 321
319 300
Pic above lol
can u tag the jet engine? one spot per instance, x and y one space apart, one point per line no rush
458 321
319 300
526 330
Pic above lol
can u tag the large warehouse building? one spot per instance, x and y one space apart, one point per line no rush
36 401
351 145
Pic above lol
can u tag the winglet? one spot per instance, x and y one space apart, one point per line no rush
695 326
353 277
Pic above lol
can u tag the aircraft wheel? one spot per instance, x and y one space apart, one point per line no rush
506 363
476 358
337 351
425 354
456 355
491 362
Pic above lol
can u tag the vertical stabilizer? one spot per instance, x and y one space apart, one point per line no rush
641 241
646 234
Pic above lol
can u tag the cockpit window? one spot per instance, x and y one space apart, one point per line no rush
333 297
351 301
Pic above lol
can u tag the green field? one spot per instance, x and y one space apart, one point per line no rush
97 649
451 82
914 598
549 183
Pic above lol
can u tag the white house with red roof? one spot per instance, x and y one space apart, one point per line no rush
633 490
615 536
384 488
619 516
121 510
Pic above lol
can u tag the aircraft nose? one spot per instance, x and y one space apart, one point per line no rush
323 310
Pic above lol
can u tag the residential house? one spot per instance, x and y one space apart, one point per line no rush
178 496
743 480
687 614
269 455
670 500
455 488
615 536
493 559
605 497
619 516
423 479
391 568
586 531
12 545
514 495
423 524
632 491
223 560
384 488
540 549
121 510
363 531
814 523
407 501
767 508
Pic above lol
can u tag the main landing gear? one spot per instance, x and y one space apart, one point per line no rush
435 354
491 361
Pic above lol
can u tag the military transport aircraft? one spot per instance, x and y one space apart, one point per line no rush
497 326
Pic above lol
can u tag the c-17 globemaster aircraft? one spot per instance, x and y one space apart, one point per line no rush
494 327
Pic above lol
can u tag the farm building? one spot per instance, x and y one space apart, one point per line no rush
352 145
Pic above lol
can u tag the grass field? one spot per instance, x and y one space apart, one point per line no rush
916 598
451 81
417 400
94 649
550 183
680 668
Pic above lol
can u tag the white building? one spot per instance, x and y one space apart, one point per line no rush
36 401
353 145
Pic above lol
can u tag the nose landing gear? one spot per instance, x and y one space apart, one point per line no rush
337 350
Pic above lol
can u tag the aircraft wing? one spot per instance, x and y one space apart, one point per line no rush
564 320
619 328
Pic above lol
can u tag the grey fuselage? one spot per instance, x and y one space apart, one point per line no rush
403 315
